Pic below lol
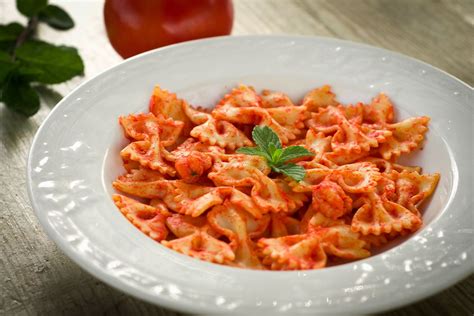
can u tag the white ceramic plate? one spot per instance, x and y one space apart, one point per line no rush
75 157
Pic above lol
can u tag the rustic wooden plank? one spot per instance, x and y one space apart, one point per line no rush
36 278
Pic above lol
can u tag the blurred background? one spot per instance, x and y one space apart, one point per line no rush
36 278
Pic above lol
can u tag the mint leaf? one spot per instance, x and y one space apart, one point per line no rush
269 146
6 66
56 17
293 152
254 151
9 34
30 8
20 97
276 154
291 170
263 136
52 64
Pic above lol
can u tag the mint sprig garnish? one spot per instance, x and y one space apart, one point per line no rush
26 62
269 147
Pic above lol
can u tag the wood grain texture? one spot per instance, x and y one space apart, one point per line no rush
36 278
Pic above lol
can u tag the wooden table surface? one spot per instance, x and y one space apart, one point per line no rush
37 278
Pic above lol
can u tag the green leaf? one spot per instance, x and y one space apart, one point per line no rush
8 35
276 154
30 8
291 170
293 152
263 136
56 17
255 151
20 97
6 66
10 32
52 64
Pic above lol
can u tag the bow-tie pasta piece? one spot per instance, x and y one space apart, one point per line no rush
313 177
253 116
144 126
358 177
229 220
291 117
268 195
406 136
295 252
236 170
221 133
243 106
242 96
319 98
294 200
317 143
283 225
148 219
334 159
350 138
413 188
190 145
274 99
144 183
194 200
379 111
149 154
184 225
388 166
202 246
337 238
167 104
378 215
326 120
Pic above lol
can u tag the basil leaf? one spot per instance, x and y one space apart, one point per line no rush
20 97
255 151
291 170
30 8
52 64
263 136
293 152
56 17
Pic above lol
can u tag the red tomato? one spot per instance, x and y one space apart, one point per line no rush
135 26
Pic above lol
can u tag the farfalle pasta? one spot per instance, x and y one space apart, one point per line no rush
188 188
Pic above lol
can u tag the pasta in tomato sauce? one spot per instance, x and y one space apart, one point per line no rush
187 187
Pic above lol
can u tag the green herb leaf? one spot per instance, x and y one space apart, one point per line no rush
269 147
254 151
9 34
293 152
30 8
56 17
263 136
291 170
6 67
20 97
52 64
276 156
